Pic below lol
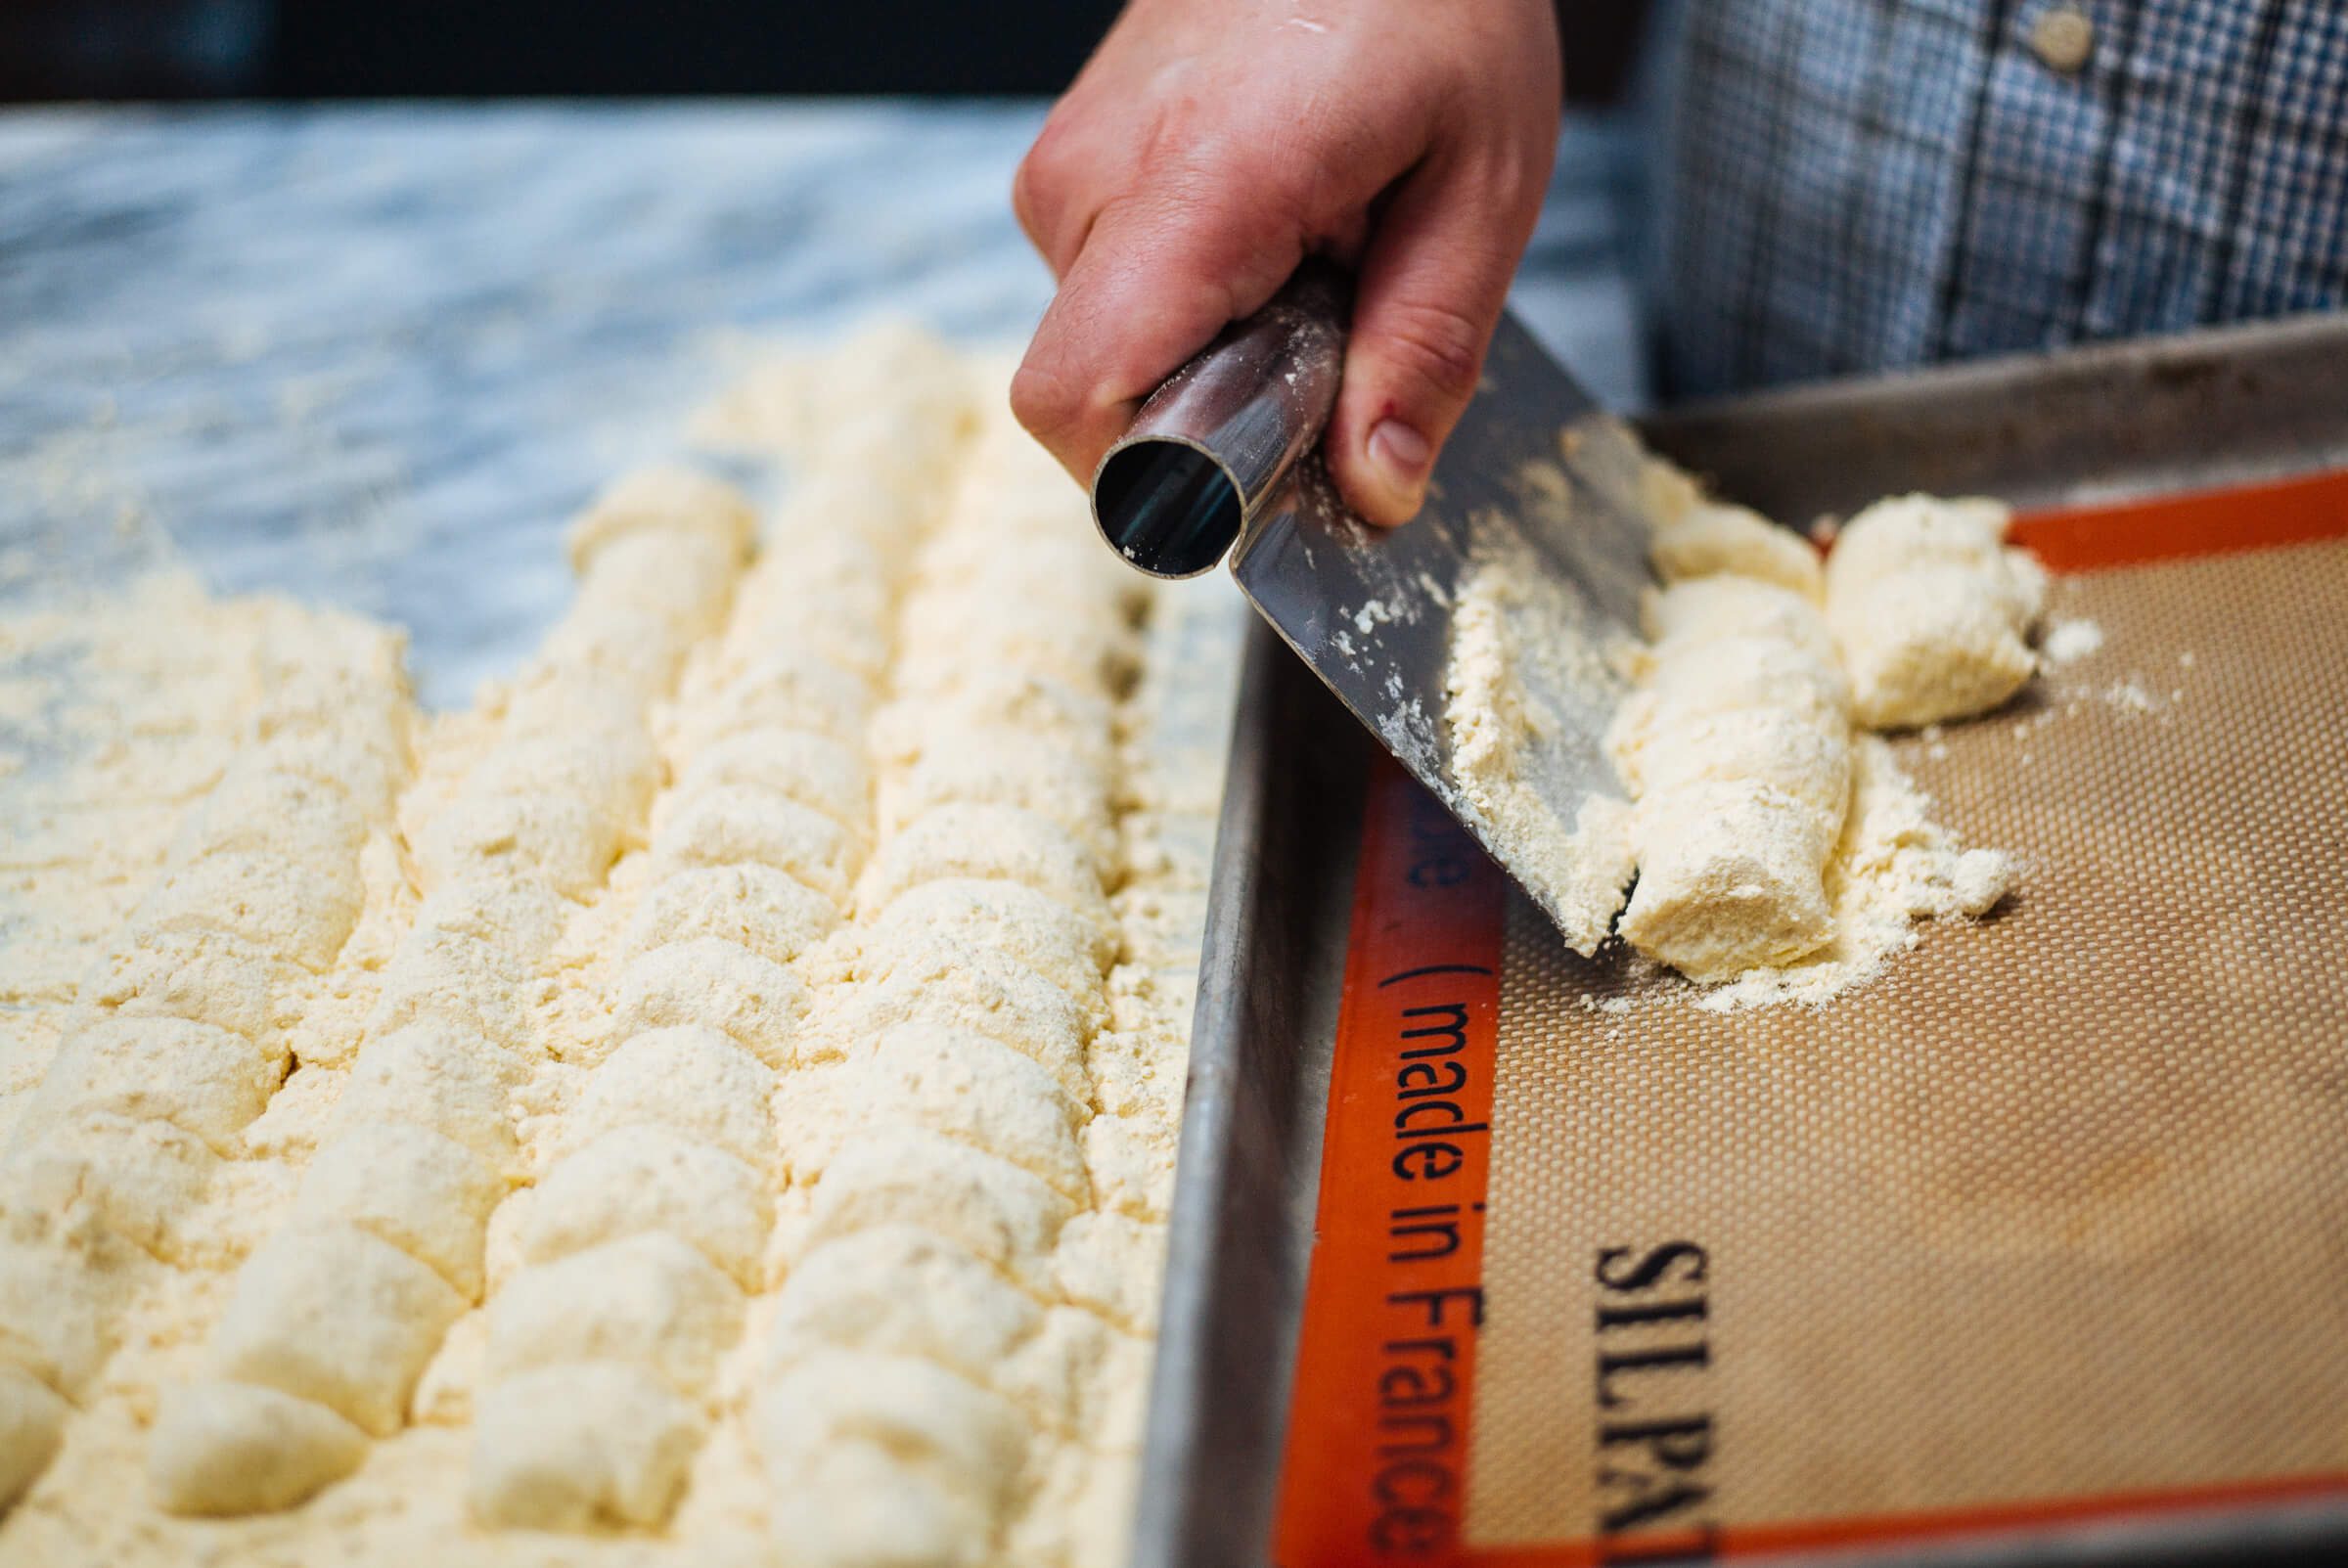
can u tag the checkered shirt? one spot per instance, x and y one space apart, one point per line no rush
1865 183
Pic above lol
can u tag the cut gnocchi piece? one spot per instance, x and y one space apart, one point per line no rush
908 1176
987 842
933 1421
665 499
635 1180
693 1080
788 689
210 977
444 977
225 1449
338 1316
735 825
202 1080
648 1300
769 914
298 911
711 983
131 1177
424 1192
581 1447
1742 783
443 1078
975 1090
818 770
1031 928
918 975
901 1291
566 839
1931 611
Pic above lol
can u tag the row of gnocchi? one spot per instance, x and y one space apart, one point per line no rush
643 1238
186 1036
924 1369
332 1319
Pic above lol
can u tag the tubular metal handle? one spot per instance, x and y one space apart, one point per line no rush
1219 439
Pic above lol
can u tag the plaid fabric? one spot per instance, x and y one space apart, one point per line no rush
1865 183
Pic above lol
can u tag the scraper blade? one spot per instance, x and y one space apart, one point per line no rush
1536 480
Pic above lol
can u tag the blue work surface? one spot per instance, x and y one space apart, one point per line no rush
376 356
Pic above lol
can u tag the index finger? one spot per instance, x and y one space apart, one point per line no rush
1156 279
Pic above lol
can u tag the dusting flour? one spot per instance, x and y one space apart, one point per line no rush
2067 642
1893 867
1510 622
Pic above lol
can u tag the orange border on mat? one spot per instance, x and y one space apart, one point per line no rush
1427 912
1427 919
1901 1529
2203 522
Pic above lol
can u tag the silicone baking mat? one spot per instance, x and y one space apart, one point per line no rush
2044 1229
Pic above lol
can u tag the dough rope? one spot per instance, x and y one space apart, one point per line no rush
340 1310
1740 782
920 1357
144 1100
642 1242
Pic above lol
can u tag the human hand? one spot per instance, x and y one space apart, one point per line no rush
1210 145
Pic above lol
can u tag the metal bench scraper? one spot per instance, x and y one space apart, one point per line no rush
1222 459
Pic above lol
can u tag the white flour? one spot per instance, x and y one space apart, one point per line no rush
2067 642
1893 867
1505 731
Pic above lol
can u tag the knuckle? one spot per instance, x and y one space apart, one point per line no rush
1026 194
1041 401
1297 193
1288 179
1519 178
1341 144
1438 346
1036 182
1049 152
1070 139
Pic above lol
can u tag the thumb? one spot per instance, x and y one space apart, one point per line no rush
1430 291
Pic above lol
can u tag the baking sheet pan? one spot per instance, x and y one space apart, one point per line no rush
2136 419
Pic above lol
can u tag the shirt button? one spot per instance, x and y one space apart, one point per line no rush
2062 38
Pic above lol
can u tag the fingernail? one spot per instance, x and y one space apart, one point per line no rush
1401 456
